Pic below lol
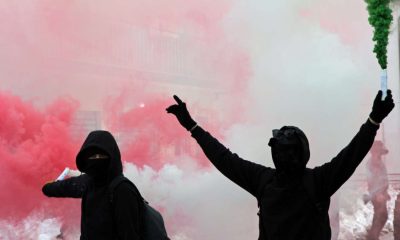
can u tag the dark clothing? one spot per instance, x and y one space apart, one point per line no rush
287 208
99 218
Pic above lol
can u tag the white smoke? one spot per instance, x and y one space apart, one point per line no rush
197 204
36 226
305 75
356 217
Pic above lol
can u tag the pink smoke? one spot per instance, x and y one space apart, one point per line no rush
70 47
149 135
347 19
35 145
92 51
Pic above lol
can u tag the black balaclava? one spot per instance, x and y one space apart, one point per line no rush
96 164
290 150
103 171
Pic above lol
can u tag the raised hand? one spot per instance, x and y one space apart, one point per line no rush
181 113
381 109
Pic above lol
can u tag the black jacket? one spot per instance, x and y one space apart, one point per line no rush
101 220
290 209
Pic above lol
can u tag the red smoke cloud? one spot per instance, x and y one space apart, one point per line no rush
35 145
149 135
91 50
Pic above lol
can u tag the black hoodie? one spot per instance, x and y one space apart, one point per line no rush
290 209
101 220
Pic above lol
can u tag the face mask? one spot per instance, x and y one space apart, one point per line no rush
285 151
96 165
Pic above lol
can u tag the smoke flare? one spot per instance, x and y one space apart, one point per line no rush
380 17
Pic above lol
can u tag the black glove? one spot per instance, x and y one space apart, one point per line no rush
381 108
181 113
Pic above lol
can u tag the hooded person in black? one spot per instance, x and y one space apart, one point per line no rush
293 200
101 219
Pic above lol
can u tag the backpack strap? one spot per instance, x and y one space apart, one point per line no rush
309 188
320 207
264 185
115 183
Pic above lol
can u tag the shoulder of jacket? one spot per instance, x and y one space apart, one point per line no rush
126 188
268 172
267 177
310 173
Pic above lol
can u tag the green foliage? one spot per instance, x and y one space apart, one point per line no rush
380 17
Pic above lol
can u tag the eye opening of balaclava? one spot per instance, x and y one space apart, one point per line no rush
95 163
289 149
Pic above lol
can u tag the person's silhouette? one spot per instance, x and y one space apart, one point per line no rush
293 200
100 160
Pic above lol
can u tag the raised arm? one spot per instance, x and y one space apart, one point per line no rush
250 176
332 175
73 187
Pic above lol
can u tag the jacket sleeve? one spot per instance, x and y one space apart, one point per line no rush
127 213
248 175
73 187
330 176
